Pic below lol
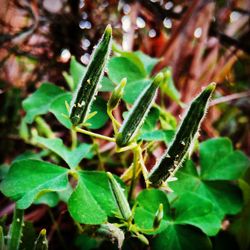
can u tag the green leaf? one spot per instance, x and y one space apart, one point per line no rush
149 62
76 70
107 85
220 162
134 58
32 177
39 102
180 237
100 119
92 200
58 109
29 155
240 226
225 196
71 157
169 88
198 211
148 203
121 67
158 135
51 199
151 120
189 208
133 89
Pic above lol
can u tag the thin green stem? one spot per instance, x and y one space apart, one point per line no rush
100 160
73 139
136 157
129 147
116 125
86 132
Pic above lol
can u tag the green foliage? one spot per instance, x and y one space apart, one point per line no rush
39 102
205 192
94 192
71 157
216 187
46 177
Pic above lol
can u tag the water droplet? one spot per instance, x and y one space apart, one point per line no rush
152 33
85 43
85 58
234 16
85 25
126 23
126 9
65 55
140 22
169 5
167 23
198 32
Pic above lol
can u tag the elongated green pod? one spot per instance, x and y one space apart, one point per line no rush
173 157
142 238
2 245
41 243
88 88
116 95
158 217
16 228
138 113
120 198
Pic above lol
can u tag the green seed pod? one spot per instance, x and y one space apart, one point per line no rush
158 217
142 238
16 228
172 159
88 88
117 95
41 243
120 198
138 113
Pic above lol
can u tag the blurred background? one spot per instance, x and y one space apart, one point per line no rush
201 40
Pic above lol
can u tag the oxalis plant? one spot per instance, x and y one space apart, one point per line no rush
172 210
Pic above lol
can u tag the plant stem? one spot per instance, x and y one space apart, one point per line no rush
136 152
86 132
73 139
115 123
15 232
1 239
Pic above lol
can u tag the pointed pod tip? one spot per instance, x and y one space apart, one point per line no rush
158 79
43 232
211 87
108 29
160 207
110 176
124 81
